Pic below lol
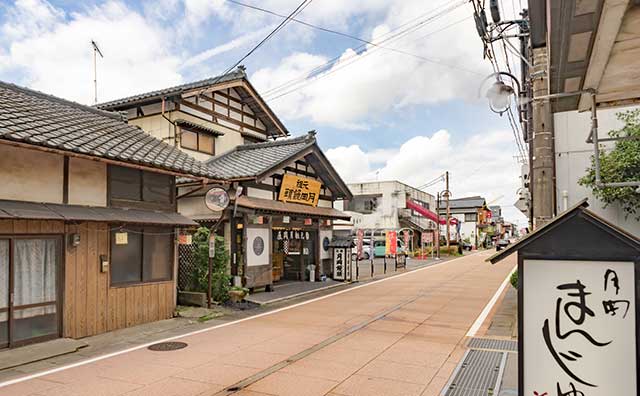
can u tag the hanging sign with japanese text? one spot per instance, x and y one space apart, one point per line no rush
300 190
339 263
579 328
360 242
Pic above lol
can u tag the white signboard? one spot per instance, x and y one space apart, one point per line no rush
579 328
325 239
258 246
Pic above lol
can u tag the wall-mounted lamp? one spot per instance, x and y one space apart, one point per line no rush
74 239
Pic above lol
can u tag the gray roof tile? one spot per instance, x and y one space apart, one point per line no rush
234 75
250 160
32 117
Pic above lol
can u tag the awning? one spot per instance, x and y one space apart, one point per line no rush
46 211
270 206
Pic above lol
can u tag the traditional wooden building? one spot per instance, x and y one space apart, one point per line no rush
87 219
203 118
280 220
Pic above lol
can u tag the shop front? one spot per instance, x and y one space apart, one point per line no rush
271 246
278 225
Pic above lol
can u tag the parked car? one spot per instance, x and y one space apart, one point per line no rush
380 248
502 244
467 246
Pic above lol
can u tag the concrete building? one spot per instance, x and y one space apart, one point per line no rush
382 205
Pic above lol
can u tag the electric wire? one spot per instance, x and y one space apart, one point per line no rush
389 36
312 26
308 78
279 27
357 50
345 62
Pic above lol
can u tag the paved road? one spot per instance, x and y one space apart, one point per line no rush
400 336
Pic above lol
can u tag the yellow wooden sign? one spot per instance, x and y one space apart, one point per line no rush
299 190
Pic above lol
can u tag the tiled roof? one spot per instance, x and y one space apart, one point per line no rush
234 75
34 118
467 202
250 160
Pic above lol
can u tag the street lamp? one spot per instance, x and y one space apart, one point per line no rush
500 93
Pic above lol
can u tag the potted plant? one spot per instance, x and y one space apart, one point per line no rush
237 294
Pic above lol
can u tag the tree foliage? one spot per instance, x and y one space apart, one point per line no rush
220 279
622 164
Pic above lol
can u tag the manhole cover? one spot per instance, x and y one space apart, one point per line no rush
167 346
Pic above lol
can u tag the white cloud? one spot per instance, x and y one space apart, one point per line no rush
58 58
481 165
251 37
29 17
378 80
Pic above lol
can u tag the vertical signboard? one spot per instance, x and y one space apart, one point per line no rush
579 328
391 242
339 263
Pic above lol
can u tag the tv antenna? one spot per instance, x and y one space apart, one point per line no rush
96 51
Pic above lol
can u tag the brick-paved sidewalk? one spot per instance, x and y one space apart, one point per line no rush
410 351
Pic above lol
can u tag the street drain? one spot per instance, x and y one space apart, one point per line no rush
167 346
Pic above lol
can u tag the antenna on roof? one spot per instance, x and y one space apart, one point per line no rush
97 51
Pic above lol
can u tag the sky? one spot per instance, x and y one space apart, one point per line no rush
408 105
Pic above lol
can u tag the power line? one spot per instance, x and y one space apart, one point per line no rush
280 26
316 70
304 80
344 62
312 26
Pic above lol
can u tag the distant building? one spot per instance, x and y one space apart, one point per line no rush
382 205
469 213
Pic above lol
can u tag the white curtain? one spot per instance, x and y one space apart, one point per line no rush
35 263
4 278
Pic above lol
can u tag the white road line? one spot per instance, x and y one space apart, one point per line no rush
142 346
473 330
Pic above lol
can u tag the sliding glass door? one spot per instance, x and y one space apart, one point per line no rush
29 284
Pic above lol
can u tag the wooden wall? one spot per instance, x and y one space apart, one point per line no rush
90 305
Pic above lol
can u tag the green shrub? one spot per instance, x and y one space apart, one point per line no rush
514 279
621 164
220 279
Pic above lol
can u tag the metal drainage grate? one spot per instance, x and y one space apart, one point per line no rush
477 375
167 346
493 345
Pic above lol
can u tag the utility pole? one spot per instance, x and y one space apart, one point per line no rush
542 178
446 191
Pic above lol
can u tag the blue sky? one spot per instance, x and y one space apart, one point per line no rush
378 113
